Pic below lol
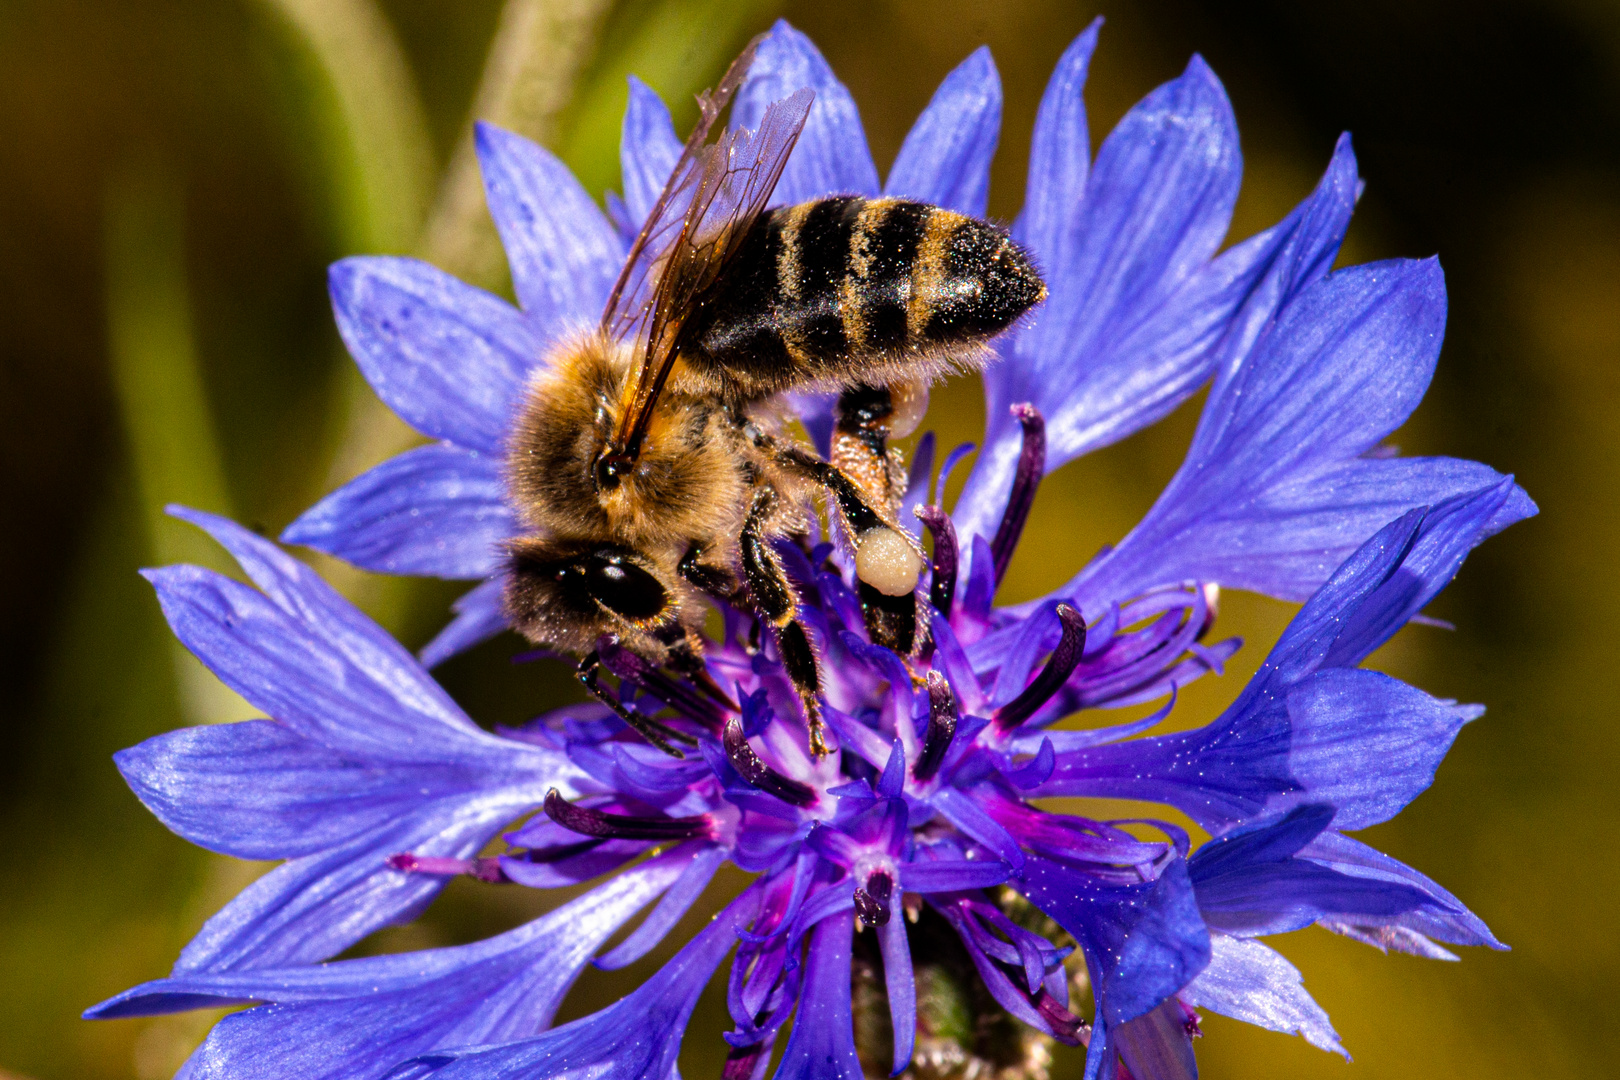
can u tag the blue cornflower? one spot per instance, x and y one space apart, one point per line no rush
376 788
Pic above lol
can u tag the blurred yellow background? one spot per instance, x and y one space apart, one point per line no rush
175 175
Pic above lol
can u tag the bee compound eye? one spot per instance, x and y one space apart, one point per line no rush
622 586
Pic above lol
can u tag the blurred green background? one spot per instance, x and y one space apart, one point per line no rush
175 175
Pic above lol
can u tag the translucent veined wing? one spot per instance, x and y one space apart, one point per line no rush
691 236
738 174
629 305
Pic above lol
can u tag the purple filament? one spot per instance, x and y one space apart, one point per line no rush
740 1061
485 869
1031 467
759 774
588 822
1066 1027
942 718
1059 666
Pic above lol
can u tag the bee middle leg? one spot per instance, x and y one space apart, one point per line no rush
776 600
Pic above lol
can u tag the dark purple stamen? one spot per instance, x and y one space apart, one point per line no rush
872 901
623 826
1059 666
942 718
484 869
1031 467
704 682
759 774
943 590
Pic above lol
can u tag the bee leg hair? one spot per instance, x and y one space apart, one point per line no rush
776 600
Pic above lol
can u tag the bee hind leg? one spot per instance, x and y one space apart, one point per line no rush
888 561
778 603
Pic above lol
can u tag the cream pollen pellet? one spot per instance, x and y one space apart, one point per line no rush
886 562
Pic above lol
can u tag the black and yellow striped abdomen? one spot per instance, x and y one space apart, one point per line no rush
846 289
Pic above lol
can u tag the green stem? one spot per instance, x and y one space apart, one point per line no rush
174 448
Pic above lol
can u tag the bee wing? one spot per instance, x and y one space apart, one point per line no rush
734 180
630 302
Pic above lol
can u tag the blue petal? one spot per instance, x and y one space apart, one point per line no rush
952 875
1379 587
1155 208
831 156
316 906
1277 493
436 511
288 670
902 991
1102 1056
1211 323
1060 159
358 1018
479 616
1311 236
594 917
1142 942
450 359
563 251
356 700
967 815
1249 882
683 893
1250 982
636 1039
259 790
1156 1044
1304 732
300 649
1360 737
648 150
1135 247
1367 743
1444 917
822 1045
945 159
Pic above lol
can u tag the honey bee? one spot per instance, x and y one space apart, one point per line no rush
649 462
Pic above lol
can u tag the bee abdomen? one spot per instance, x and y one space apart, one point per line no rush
838 287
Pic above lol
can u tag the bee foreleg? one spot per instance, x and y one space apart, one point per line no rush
686 658
654 732
777 602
